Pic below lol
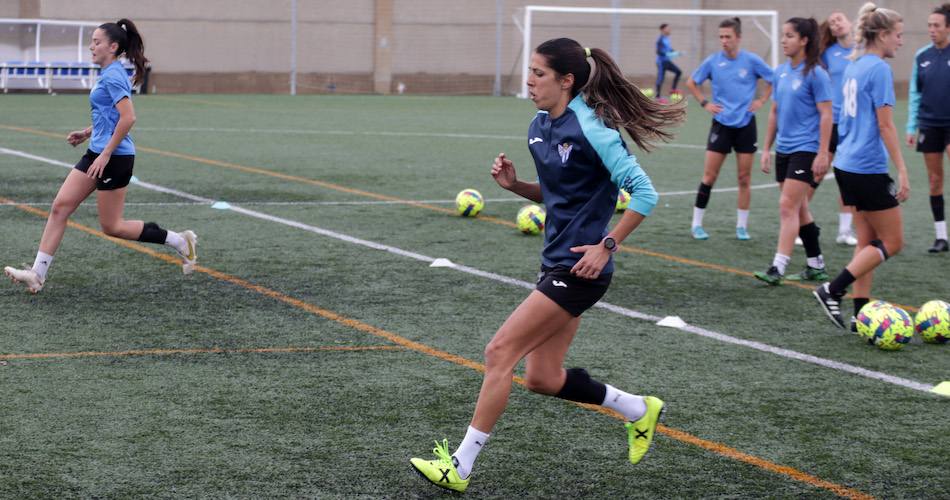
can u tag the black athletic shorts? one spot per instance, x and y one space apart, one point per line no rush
723 139
575 295
796 166
867 192
833 144
116 175
933 140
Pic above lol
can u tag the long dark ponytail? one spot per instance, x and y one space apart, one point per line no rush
124 33
617 101
808 28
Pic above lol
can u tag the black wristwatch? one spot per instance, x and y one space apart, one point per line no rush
704 103
610 244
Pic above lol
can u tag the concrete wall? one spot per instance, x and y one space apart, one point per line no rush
445 46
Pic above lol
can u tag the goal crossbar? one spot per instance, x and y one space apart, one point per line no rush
531 9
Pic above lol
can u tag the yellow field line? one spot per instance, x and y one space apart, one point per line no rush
377 196
210 350
715 447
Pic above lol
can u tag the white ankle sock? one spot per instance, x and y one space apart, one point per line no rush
941 228
177 242
468 451
41 264
844 222
698 216
816 262
742 218
781 262
632 407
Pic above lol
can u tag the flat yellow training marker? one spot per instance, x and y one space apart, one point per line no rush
943 388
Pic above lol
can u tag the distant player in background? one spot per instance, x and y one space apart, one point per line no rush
664 61
107 165
868 135
836 47
734 74
928 115
800 124
581 161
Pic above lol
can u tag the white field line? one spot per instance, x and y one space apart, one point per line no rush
623 311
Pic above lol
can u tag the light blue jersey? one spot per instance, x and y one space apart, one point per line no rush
733 84
112 86
581 162
835 59
868 85
796 97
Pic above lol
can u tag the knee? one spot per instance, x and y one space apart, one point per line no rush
62 209
745 180
110 228
709 178
788 208
541 384
894 245
497 356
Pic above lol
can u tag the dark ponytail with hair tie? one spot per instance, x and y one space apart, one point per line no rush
124 33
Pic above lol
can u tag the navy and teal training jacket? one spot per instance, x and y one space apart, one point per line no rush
581 163
928 106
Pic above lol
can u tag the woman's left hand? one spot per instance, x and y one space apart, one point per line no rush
592 263
903 190
819 166
98 166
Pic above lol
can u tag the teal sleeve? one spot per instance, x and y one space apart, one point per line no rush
625 171
913 96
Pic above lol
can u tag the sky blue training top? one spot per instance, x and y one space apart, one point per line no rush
111 87
733 84
797 97
929 103
868 85
663 49
581 162
835 59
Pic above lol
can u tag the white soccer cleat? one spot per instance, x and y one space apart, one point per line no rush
190 259
27 276
846 239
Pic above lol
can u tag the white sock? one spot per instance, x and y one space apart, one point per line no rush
41 264
176 241
742 218
941 228
844 222
698 216
816 262
632 407
781 262
468 451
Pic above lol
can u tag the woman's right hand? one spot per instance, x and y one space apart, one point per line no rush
503 171
713 108
76 137
766 161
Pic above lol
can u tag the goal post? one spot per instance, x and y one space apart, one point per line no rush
771 34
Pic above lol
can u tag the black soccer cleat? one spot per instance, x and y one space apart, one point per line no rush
939 246
830 303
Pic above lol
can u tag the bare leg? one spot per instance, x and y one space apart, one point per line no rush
533 323
793 202
885 225
744 178
111 205
711 167
76 188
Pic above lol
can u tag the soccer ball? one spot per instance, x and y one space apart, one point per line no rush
676 97
885 325
531 219
469 203
933 322
623 200
649 92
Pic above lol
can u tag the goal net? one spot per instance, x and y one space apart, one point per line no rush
630 35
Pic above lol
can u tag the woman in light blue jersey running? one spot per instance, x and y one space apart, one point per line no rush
734 74
868 140
581 161
107 165
800 120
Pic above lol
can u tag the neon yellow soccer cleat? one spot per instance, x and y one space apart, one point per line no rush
441 471
640 433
